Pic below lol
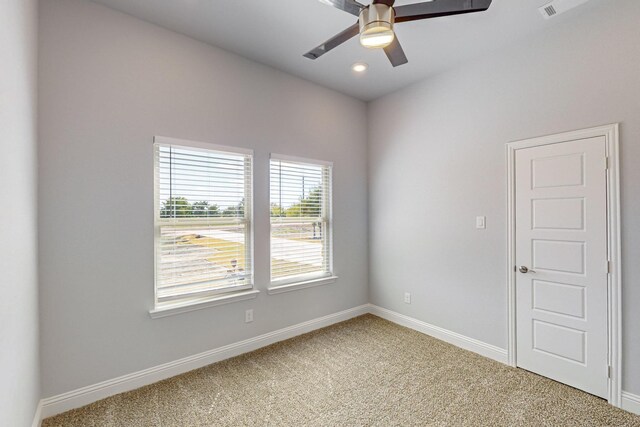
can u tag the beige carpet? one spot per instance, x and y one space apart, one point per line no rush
363 372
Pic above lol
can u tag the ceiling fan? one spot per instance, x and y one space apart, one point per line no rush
376 21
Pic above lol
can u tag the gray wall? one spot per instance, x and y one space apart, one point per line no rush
437 160
19 365
108 84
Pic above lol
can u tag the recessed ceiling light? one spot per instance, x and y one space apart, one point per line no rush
359 67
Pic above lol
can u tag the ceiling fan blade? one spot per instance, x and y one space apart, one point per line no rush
387 2
333 42
349 6
436 8
395 53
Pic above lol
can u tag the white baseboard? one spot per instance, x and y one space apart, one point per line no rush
482 348
37 418
631 402
86 395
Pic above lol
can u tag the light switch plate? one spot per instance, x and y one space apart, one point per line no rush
481 222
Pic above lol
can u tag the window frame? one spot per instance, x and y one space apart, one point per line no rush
307 280
206 298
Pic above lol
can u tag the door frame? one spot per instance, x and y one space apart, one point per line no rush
614 303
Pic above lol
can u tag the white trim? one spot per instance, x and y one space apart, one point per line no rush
464 342
277 286
189 301
300 278
611 134
37 418
165 140
511 248
83 396
630 402
295 159
200 303
186 298
301 285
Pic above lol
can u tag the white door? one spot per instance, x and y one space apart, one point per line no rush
561 256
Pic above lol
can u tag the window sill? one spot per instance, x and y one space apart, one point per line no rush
201 303
301 285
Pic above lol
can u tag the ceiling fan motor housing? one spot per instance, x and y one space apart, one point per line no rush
375 17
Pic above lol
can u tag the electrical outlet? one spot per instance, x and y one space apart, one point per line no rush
407 298
248 316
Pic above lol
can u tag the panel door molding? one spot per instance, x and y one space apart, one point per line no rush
564 309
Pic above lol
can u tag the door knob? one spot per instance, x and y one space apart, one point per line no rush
523 269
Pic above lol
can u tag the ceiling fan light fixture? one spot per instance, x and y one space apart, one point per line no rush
377 20
376 26
377 37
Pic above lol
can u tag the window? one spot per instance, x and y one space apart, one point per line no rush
202 221
301 229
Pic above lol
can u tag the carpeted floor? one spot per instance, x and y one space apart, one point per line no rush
363 372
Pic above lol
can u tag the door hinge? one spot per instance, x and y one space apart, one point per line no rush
608 267
606 163
609 371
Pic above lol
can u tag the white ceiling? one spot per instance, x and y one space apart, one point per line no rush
279 32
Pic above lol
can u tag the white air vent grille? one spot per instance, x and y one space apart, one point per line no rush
557 7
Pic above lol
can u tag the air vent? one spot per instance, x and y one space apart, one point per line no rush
557 7
550 11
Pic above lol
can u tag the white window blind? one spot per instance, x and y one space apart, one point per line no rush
301 229
203 220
